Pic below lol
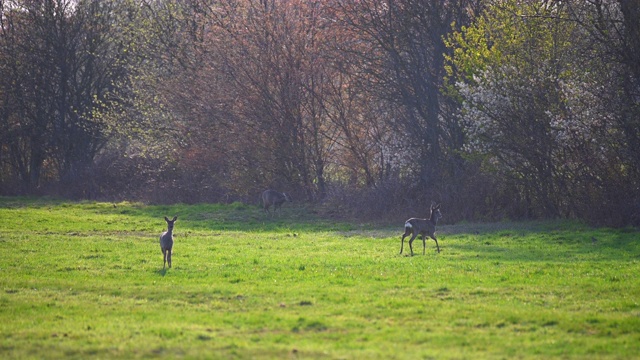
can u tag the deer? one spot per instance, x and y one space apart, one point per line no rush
423 227
275 198
166 241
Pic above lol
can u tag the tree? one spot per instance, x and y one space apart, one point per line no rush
404 67
537 93
260 93
60 63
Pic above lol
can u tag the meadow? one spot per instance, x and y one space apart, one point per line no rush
85 280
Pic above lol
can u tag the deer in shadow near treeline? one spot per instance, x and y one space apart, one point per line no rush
166 241
423 227
275 199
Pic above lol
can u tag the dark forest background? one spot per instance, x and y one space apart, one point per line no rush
518 109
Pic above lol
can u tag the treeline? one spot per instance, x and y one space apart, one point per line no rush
495 108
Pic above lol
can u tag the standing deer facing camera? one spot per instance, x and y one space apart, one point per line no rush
272 197
166 241
422 227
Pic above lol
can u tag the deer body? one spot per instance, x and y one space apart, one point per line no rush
422 227
166 241
275 198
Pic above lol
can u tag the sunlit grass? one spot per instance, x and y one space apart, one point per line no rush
86 279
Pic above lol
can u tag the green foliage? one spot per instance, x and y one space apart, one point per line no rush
512 35
536 110
85 280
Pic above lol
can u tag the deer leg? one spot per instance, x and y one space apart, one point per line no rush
424 244
164 257
411 243
436 240
402 242
407 231
169 257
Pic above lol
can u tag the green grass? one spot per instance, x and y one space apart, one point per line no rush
81 280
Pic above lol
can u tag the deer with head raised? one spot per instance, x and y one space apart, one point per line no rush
275 198
423 227
166 241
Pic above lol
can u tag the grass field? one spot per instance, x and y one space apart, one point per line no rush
85 280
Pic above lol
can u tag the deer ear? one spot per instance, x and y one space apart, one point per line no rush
437 207
175 218
166 218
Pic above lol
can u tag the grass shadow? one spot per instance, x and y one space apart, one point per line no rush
162 272
197 217
557 245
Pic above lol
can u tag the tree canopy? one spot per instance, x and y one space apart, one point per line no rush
496 108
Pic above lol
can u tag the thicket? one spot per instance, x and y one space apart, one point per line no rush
373 109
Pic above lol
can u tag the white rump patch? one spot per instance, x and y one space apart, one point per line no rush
407 225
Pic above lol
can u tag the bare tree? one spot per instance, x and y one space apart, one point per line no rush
406 68
60 62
